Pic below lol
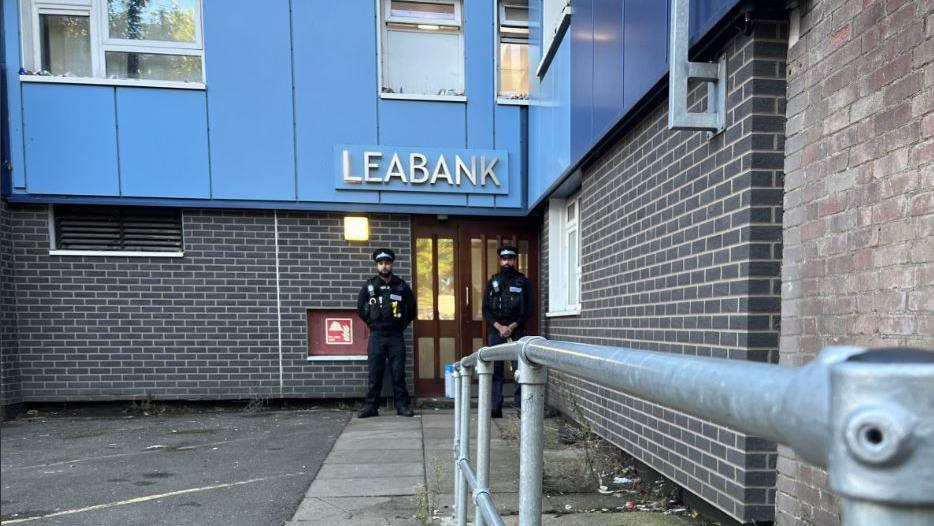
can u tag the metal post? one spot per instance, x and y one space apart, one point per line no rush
532 380
882 410
484 402
462 454
457 436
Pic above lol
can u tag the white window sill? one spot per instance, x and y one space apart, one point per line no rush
513 102
415 96
561 313
342 358
113 82
118 253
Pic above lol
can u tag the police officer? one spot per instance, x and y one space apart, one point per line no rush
387 305
507 305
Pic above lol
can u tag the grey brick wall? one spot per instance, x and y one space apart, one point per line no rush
9 370
681 245
859 223
201 326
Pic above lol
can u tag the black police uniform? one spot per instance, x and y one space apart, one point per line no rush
507 299
387 308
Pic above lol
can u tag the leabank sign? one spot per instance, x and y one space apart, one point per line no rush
398 169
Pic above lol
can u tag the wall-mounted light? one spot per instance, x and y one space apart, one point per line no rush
356 228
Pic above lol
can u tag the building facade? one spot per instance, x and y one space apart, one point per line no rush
192 190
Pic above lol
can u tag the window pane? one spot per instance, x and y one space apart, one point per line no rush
492 264
448 351
572 212
524 257
426 357
151 66
573 282
513 70
477 279
445 279
421 10
425 278
423 62
516 14
66 45
164 20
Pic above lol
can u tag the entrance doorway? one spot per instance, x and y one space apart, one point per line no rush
453 259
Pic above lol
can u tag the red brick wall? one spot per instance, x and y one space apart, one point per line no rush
858 263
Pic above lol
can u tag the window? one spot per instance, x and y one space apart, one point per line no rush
513 50
556 18
117 230
564 249
552 13
119 40
422 49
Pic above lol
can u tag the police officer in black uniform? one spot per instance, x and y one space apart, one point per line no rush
387 305
507 305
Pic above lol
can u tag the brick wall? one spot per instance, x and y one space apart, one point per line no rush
201 326
9 370
681 243
859 206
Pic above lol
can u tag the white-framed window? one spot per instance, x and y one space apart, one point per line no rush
113 41
513 40
564 256
421 49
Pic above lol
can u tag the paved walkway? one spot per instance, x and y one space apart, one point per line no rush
390 470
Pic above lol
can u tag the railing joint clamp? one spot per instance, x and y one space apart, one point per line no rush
478 491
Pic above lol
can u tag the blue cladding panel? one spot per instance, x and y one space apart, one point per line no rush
480 79
511 122
399 198
71 140
422 124
706 13
646 46
248 66
163 143
14 124
550 125
338 38
582 46
607 64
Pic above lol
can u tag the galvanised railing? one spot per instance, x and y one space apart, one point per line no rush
867 415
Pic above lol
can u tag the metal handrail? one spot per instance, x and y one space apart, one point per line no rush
866 415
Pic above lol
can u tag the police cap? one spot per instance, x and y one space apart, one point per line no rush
384 253
507 252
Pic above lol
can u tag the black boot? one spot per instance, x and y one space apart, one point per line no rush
367 412
405 411
497 413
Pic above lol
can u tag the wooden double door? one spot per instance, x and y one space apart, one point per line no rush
453 259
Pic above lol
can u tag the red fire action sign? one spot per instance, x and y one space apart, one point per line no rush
338 331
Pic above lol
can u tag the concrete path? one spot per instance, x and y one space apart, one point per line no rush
392 470
371 476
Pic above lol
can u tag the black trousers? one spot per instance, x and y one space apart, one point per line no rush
499 369
383 347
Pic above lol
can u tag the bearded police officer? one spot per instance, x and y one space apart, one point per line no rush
387 305
507 305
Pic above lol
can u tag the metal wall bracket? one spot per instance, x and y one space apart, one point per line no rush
681 71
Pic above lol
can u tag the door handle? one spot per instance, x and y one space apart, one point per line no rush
467 294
